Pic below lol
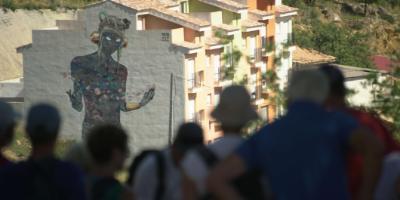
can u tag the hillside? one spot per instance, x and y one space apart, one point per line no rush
16 30
340 28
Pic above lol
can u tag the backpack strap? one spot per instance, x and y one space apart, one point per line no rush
160 160
208 156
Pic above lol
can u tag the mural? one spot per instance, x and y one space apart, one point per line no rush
100 80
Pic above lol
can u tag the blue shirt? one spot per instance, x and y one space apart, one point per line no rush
303 153
19 181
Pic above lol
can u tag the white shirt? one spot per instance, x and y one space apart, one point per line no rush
195 167
146 179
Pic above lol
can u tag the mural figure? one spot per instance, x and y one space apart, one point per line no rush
100 80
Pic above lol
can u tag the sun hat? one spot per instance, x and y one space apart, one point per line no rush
234 107
8 116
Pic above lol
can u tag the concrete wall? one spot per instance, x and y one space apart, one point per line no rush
150 59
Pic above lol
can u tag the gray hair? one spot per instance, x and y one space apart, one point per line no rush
308 85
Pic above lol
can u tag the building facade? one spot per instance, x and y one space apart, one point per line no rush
189 50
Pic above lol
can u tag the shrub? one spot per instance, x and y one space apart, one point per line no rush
9 4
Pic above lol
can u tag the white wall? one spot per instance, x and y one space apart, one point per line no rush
363 95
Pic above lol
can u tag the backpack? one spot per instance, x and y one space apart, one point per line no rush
160 160
249 185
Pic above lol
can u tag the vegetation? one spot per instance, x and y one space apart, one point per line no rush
44 4
387 98
21 148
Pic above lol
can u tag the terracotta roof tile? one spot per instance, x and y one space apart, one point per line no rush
226 4
282 9
227 28
260 13
158 8
248 23
309 56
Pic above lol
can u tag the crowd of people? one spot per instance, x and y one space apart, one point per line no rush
321 149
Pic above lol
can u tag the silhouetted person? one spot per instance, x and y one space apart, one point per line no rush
8 120
233 111
337 101
108 148
303 153
100 81
42 176
158 176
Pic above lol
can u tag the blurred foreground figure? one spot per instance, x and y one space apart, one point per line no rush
108 147
388 187
337 101
158 175
233 111
42 176
8 120
302 154
79 155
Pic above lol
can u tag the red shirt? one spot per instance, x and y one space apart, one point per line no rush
355 162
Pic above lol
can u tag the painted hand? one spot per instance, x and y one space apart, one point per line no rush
147 97
76 102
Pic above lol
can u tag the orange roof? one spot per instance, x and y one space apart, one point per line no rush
310 56
226 4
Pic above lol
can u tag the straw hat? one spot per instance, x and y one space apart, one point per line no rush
234 107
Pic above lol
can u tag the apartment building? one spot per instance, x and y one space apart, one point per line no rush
205 45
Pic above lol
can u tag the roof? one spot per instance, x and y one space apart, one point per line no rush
383 63
145 4
229 29
310 56
188 47
213 43
260 14
354 72
248 23
158 8
284 10
230 5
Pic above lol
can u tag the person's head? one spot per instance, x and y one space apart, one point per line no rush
337 88
110 35
189 135
234 109
8 119
108 146
307 85
43 124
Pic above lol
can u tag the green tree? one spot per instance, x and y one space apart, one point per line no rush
387 97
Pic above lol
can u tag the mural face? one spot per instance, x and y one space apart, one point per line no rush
100 80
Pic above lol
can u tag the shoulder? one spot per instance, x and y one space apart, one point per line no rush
83 60
69 170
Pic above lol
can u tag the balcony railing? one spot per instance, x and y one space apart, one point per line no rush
195 82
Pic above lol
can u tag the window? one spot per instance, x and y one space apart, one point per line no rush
191 110
190 73
228 51
216 98
252 46
200 79
207 61
264 113
184 7
208 102
217 67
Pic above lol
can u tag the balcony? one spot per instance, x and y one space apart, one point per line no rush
195 83
220 79
256 57
268 48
